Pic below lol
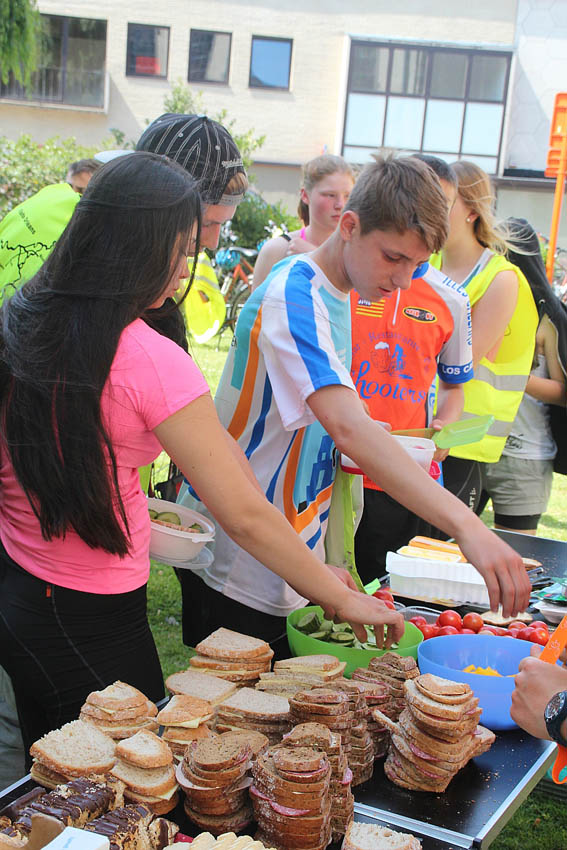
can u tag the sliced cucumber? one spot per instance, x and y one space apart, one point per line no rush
326 626
338 628
342 637
196 527
169 516
309 623
153 514
321 635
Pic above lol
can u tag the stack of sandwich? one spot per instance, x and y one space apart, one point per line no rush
370 836
133 827
393 670
361 754
327 706
76 749
120 710
145 765
436 735
203 685
232 656
255 710
298 674
184 720
73 804
318 737
214 775
228 841
291 799
377 695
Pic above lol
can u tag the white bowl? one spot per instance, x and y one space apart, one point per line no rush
171 544
419 448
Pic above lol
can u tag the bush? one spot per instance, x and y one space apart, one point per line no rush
255 220
27 166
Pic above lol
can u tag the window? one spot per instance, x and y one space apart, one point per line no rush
71 66
270 62
209 56
147 51
445 101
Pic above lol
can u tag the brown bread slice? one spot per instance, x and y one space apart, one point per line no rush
221 824
298 759
430 706
220 753
251 703
257 741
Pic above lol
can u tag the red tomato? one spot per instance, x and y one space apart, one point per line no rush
539 624
448 630
388 604
516 624
473 621
487 630
383 595
539 636
468 632
429 630
418 621
450 618
499 631
524 634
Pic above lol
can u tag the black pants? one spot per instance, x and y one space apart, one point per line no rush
57 645
385 526
463 478
205 610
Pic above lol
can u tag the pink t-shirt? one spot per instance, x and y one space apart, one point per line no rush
150 379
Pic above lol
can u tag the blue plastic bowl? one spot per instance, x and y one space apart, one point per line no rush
447 656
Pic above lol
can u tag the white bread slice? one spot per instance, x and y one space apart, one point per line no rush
113 714
76 749
119 695
154 782
181 735
236 663
204 841
203 685
310 664
248 702
224 643
370 836
144 749
185 711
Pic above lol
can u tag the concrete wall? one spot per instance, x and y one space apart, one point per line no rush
536 205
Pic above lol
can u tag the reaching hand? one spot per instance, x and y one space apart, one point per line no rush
359 609
502 569
440 454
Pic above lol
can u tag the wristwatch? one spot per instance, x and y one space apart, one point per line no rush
555 713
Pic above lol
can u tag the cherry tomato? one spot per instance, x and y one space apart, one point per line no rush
487 630
539 636
539 624
383 595
388 604
524 634
516 624
513 632
448 630
498 630
450 618
418 621
429 630
468 632
473 621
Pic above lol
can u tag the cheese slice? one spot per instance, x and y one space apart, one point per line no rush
191 724
429 554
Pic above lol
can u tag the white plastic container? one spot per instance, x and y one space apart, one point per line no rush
170 544
436 580
419 448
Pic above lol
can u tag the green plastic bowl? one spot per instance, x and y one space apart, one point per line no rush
302 644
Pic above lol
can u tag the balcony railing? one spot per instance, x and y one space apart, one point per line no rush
59 85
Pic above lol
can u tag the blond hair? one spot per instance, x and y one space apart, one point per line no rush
237 184
401 194
314 171
475 190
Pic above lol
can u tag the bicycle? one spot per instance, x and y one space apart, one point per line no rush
236 281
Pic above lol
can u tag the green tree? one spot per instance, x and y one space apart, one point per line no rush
19 37
182 99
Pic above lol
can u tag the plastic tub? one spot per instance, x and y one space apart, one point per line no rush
419 448
302 644
452 583
447 656
171 544
430 614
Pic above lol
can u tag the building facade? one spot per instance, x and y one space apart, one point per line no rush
456 79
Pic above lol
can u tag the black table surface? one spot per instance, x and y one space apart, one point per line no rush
551 553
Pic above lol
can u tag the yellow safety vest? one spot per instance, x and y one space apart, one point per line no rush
498 386
204 308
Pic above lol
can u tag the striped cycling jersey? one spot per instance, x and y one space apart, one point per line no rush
292 338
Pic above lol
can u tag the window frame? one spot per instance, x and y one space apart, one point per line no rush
271 38
211 82
153 27
431 49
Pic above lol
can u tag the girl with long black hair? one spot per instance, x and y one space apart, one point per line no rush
88 393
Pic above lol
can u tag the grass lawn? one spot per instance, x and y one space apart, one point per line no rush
541 822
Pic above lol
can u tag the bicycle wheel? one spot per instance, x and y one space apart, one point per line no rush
236 304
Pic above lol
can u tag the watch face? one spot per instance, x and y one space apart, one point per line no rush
555 705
